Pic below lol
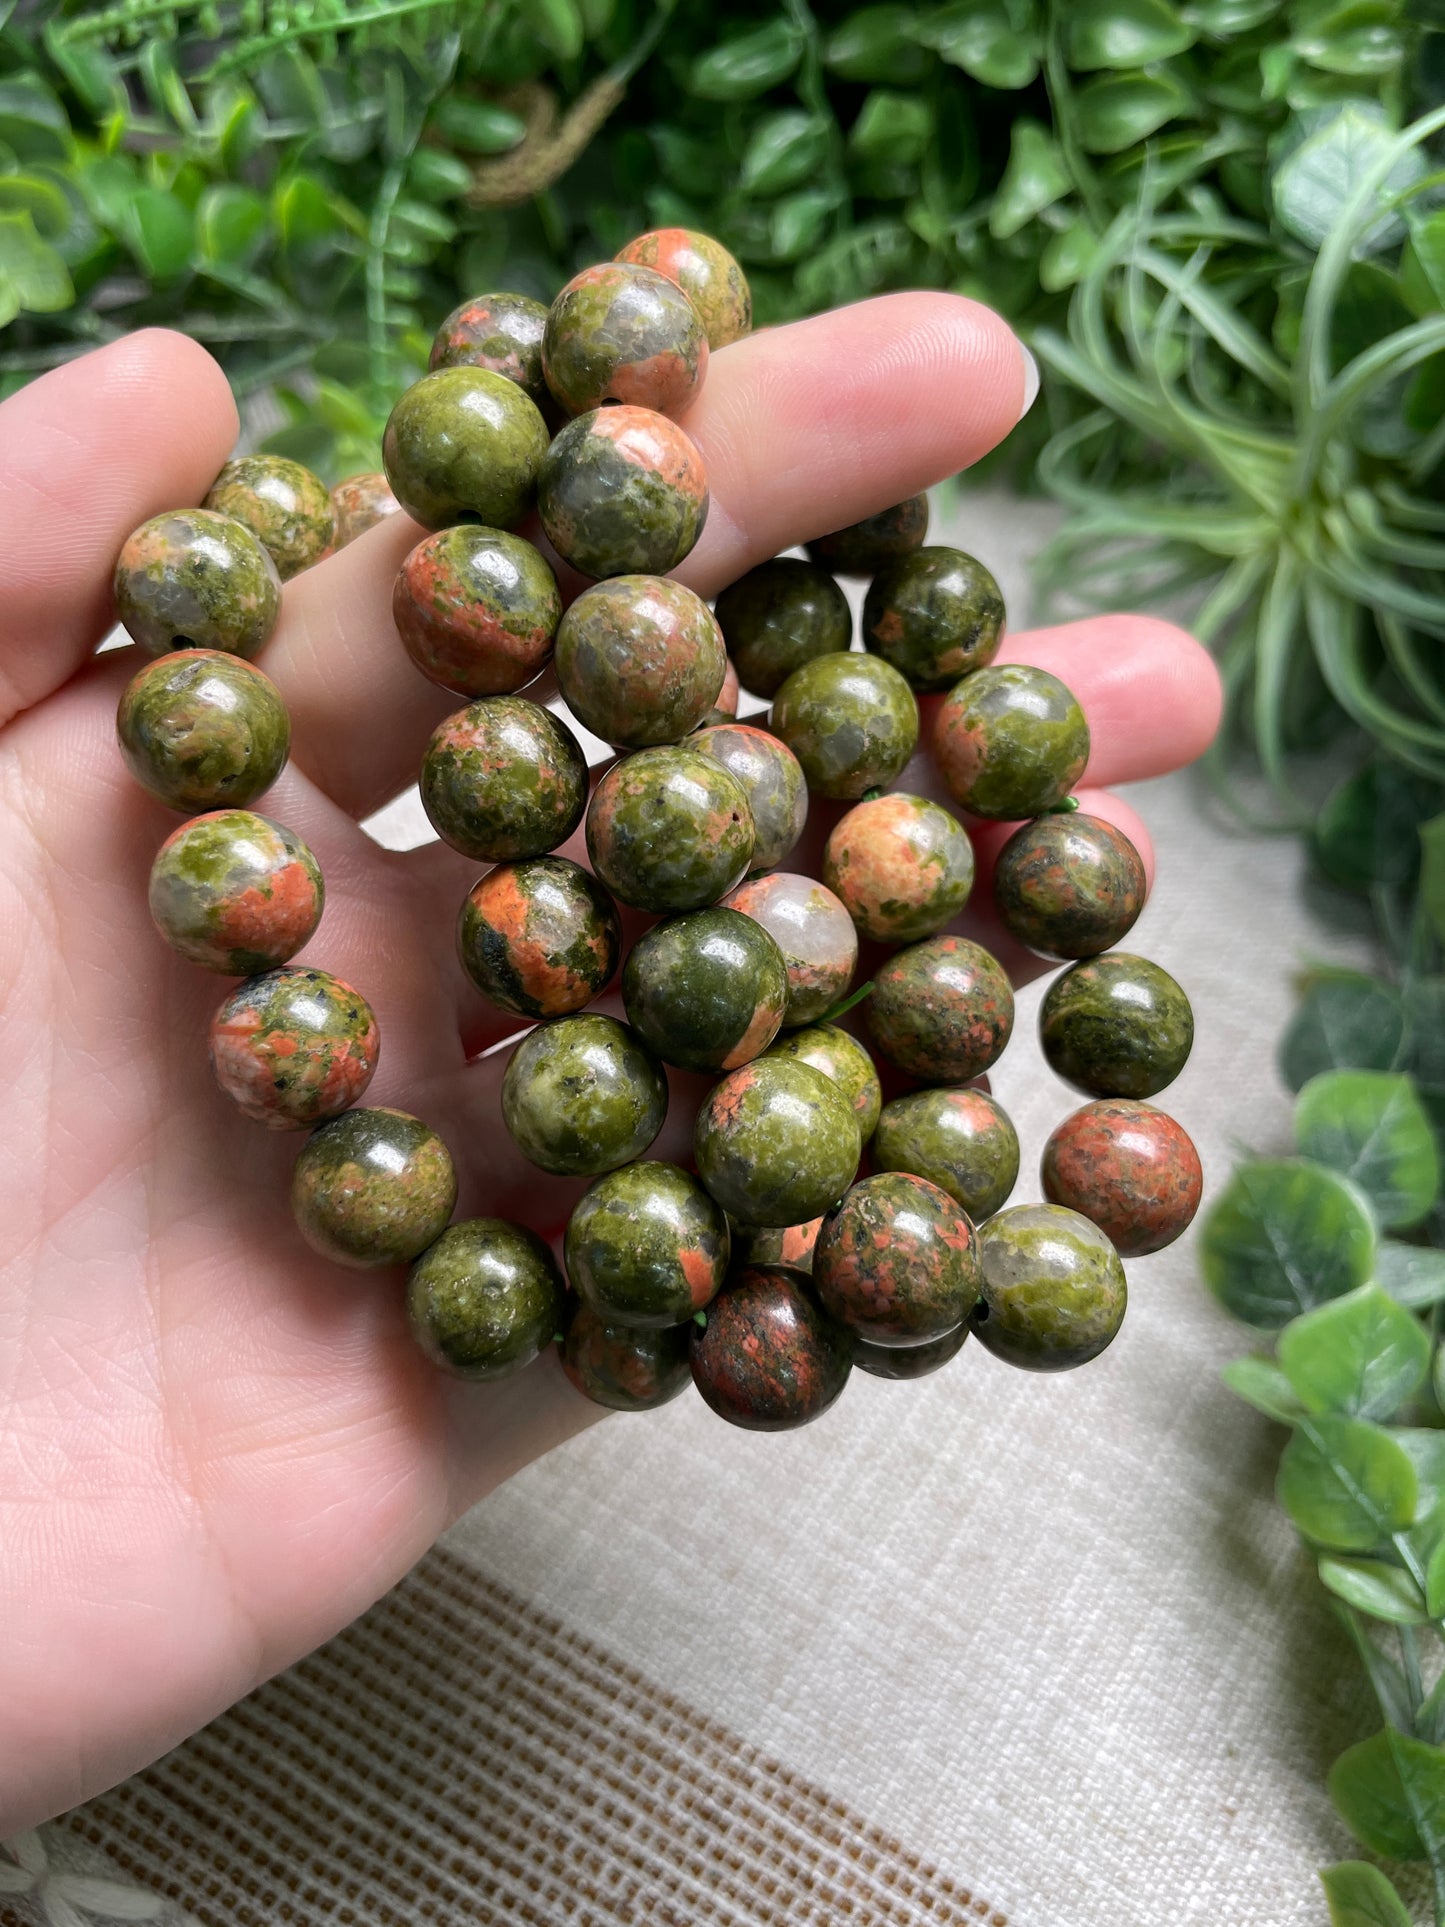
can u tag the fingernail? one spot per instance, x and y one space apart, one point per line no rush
1031 380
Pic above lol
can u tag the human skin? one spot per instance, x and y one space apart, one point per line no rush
215 1451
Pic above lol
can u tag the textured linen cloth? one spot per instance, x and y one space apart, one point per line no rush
990 1647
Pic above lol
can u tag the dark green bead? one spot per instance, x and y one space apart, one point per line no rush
1069 885
776 1143
373 1187
1116 1026
908 1361
902 866
285 506
582 1095
771 1358
935 615
485 1299
193 579
1011 741
540 938
779 616
942 1010
1053 1288
646 1245
960 1140
772 781
623 1367
669 830
464 445
235 892
640 660
623 491
706 991
504 779
844 1062
865 547
850 720
897 1261
502 332
621 332
200 729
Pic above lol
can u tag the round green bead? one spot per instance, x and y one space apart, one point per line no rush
540 938
942 1010
851 721
908 1361
200 729
844 1062
776 1143
897 1261
623 1367
293 1046
770 1357
865 547
901 865
235 892
582 1095
647 1246
464 445
285 506
477 610
193 579
623 491
1010 741
640 660
500 332
1116 1026
935 615
705 991
1069 886
504 779
485 1299
1053 1288
669 830
772 781
812 930
960 1140
373 1187
779 616
707 274
620 332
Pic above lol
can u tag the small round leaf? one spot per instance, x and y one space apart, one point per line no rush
1371 1127
1283 1237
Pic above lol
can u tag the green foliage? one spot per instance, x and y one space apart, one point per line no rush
1359 1895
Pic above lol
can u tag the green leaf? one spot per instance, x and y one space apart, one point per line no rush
1283 1237
558 25
1110 34
1068 257
1366 832
305 212
41 199
1435 1581
33 277
1362 1354
1390 1792
1119 111
1371 1127
1345 1021
1432 873
1370 1586
782 151
993 40
1220 18
477 126
877 44
1346 1484
161 231
1260 1383
799 222
1034 179
231 224
1414 1275
1315 178
1361 1896
750 64
32 120
892 128
1426 250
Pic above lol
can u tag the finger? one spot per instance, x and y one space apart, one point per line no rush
803 428
87 453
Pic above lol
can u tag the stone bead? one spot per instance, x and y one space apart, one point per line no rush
1069 886
772 781
814 933
1010 741
850 720
499 332
640 660
235 892
294 1046
705 991
790 1245
504 779
1053 1288
725 709
284 505
540 938
620 332
844 1062
669 830
623 491
582 1095
960 1140
865 547
623 1367
897 1261
942 1011
192 579
199 729
771 1358
707 274
646 1246
908 1361
476 610
776 1143
464 445
779 616
935 615
359 503
1116 1026
901 866
373 1187
1130 1169
485 1299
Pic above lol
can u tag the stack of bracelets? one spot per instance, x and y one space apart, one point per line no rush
771 1269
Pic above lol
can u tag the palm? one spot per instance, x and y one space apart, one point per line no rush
216 1449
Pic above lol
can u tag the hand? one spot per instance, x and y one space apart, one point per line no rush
216 1449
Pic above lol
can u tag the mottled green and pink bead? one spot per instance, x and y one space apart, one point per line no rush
623 491
901 865
851 721
201 729
194 579
501 333
791 1245
812 930
935 615
539 938
640 660
284 505
235 892
669 830
485 1299
1130 1169
942 1010
897 1261
646 1246
707 274
863 548
1010 741
780 615
844 1062
359 503
908 1361
706 991
776 1143
464 445
770 1358
772 780
373 1187
582 1095
503 779
961 1140
621 332
294 1046
1054 1294
627 1368
1069 886
1116 1026
477 610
